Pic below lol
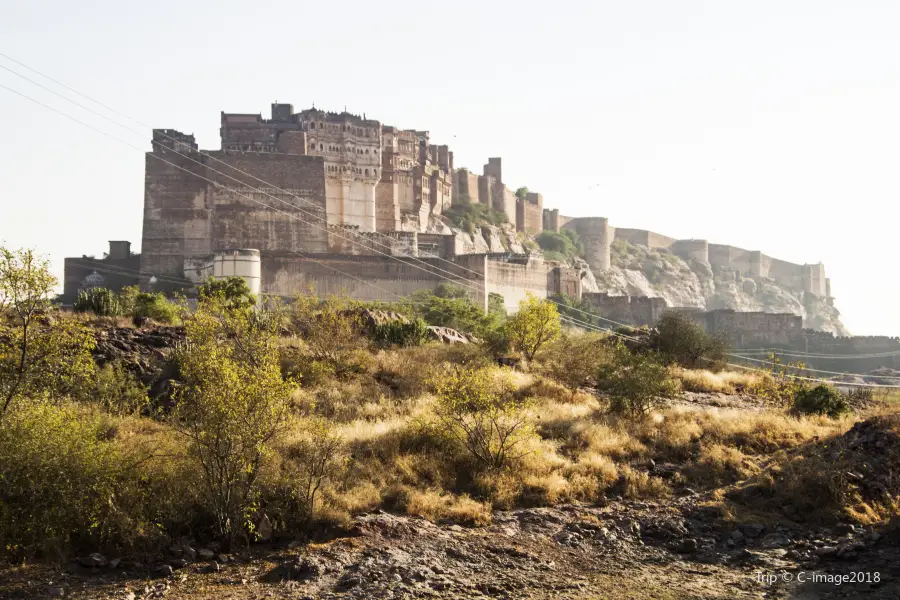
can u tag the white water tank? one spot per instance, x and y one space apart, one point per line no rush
243 263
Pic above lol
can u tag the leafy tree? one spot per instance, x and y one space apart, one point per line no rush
36 358
636 383
233 292
232 406
522 193
682 341
533 326
478 408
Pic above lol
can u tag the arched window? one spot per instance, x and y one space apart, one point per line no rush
367 172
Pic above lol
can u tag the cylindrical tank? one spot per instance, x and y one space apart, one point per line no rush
594 234
243 263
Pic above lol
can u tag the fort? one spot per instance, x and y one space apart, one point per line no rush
347 204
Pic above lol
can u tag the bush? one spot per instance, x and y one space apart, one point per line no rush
332 333
232 292
449 306
636 383
398 333
100 301
565 244
117 390
468 217
314 458
155 306
232 407
779 387
575 360
683 342
821 400
479 409
58 479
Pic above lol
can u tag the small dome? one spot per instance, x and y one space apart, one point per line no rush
93 280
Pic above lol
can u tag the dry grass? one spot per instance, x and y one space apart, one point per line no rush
725 382
440 507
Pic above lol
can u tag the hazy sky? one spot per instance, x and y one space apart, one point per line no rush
766 125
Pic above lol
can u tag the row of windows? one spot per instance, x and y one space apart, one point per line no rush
339 149
361 131
356 170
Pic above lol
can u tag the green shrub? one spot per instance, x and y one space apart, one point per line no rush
118 391
100 301
231 408
565 245
449 306
479 409
683 342
574 360
59 475
636 383
398 333
821 400
468 217
155 306
534 326
232 292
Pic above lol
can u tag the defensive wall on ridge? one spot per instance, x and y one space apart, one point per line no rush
598 236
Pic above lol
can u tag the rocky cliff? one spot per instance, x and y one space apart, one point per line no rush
638 271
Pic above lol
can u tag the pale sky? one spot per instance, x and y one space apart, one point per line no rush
769 125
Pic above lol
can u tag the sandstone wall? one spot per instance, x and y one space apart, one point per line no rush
185 215
629 310
596 237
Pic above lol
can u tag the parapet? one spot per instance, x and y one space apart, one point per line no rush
174 140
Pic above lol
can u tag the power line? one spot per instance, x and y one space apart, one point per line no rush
565 318
454 264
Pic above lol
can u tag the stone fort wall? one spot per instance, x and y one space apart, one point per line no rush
379 278
808 278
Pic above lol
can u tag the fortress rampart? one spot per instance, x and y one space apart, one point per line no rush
596 235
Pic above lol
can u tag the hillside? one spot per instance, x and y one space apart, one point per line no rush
639 271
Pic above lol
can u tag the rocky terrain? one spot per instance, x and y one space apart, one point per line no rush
639 271
626 549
